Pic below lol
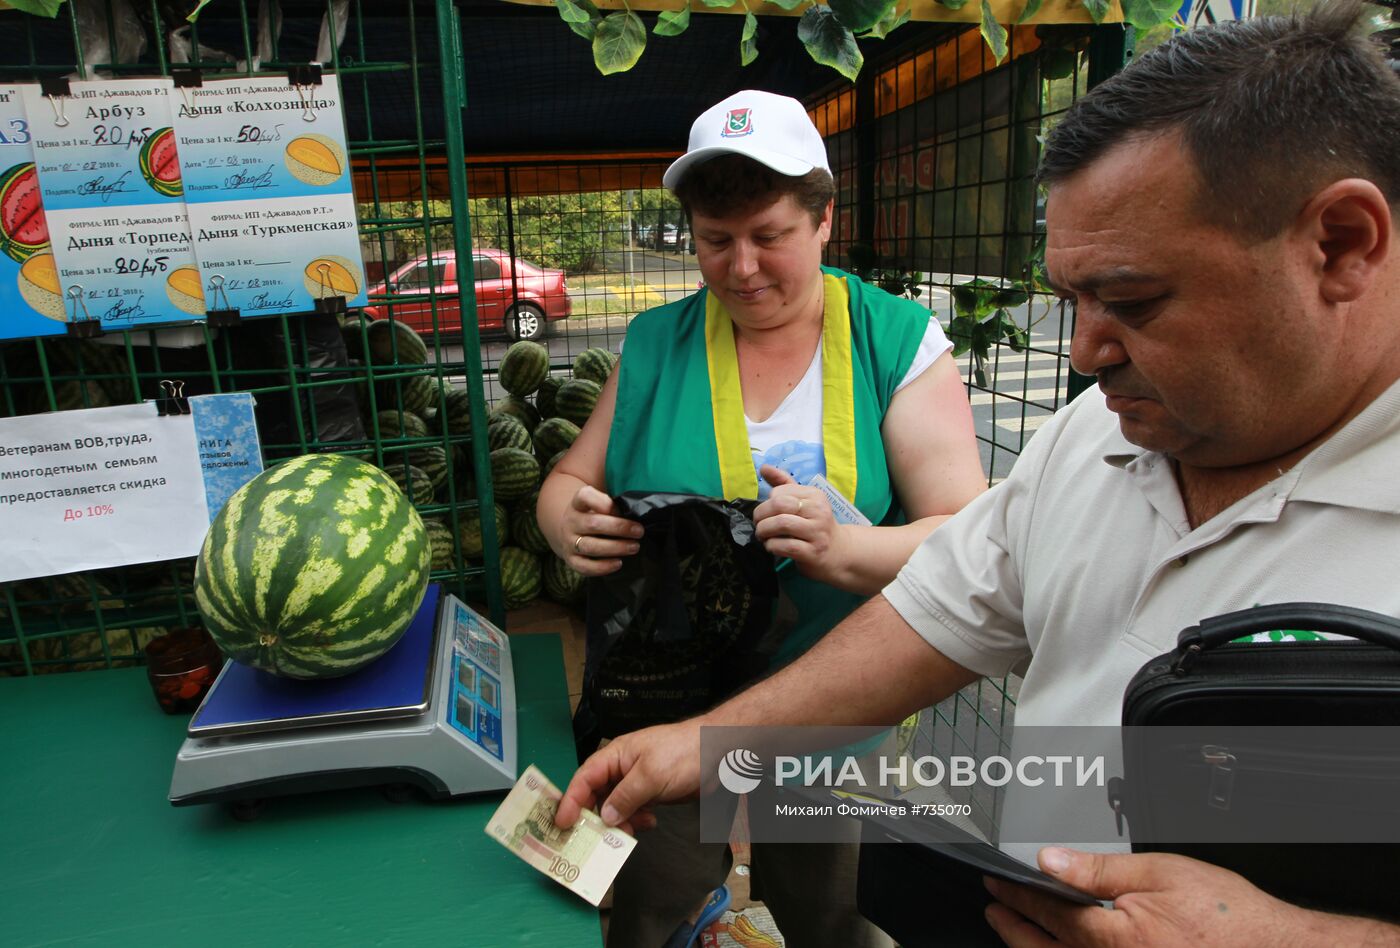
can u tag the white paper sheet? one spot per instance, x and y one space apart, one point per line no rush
98 487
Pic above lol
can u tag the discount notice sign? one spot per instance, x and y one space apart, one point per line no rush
104 487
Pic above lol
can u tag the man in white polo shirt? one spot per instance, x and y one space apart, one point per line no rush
1221 213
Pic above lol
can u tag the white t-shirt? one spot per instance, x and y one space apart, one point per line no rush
791 437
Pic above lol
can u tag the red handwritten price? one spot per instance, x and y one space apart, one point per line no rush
96 510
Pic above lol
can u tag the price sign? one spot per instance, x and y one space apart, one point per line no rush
114 200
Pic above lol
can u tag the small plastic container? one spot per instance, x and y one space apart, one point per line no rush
181 666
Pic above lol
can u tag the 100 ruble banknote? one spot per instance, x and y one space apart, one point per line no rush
583 859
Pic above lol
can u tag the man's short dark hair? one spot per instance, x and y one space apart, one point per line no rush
736 184
1272 110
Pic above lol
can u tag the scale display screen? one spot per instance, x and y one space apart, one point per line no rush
476 685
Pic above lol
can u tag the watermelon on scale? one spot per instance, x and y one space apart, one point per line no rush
313 569
160 165
23 229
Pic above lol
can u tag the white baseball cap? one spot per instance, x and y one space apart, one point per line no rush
771 129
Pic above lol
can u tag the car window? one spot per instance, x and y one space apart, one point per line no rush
486 268
428 273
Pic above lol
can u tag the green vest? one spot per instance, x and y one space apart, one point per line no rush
663 429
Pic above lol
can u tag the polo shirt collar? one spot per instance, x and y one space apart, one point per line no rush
1354 468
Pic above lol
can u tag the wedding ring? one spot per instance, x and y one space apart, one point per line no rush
577 551
799 506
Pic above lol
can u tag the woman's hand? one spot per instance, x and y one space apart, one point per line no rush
596 540
797 522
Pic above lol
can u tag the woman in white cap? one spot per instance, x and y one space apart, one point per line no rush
778 370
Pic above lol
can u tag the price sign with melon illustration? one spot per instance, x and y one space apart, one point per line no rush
266 174
112 208
28 279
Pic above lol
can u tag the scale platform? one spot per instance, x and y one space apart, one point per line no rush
436 711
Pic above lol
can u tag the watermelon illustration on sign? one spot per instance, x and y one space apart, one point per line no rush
23 230
160 165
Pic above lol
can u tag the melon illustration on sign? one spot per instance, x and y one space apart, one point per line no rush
38 284
160 165
315 159
23 229
184 289
332 276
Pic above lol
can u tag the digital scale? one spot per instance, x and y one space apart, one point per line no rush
437 711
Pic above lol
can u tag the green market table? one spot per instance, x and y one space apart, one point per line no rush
92 852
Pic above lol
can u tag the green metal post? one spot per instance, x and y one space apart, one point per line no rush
454 96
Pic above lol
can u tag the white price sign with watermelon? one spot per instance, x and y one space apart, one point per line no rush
110 182
28 280
102 487
272 208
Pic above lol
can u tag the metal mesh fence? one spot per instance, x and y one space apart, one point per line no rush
319 383
934 155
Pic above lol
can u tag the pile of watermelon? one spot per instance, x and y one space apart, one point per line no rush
527 432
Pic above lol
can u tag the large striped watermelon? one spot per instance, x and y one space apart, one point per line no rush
313 569
524 367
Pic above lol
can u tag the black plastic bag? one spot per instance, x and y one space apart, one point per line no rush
687 621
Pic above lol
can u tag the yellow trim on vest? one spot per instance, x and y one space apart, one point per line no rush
736 469
838 389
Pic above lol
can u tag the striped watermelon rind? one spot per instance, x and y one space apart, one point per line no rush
521 409
514 473
506 431
313 569
394 343
554 435
396 424
457 415
576 400
525 526
440 541
594 364
415 393
523 367
562 583
413 481
469 531
520 577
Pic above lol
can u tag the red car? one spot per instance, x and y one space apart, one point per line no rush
511 294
